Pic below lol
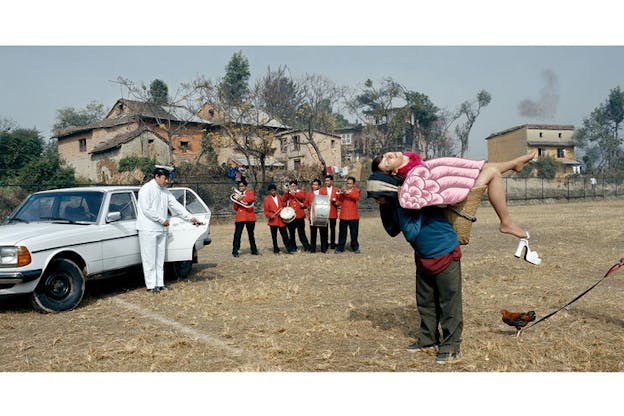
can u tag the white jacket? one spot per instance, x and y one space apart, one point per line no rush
153 203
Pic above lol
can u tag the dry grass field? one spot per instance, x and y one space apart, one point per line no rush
346 312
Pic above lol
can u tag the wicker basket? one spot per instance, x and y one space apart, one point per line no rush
462 215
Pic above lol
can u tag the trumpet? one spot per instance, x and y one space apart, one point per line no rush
235 197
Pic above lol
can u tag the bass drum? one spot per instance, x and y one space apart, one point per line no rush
319 211
287 214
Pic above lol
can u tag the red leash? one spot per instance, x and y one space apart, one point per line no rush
612 270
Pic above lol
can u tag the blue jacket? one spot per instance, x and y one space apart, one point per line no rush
427 229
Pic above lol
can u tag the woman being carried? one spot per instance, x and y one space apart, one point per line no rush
448 180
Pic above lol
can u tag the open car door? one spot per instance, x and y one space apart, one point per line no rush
183 236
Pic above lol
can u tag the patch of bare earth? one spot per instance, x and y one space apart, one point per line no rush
346 312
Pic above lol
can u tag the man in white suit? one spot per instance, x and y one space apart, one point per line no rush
152 223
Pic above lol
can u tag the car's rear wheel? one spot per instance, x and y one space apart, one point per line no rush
61 287
180 269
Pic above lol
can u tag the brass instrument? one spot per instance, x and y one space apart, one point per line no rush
235 197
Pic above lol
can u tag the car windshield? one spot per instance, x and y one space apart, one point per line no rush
75 207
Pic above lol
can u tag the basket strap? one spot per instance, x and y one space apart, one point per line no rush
462 213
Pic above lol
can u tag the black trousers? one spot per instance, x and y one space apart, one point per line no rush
353 227
313 233
238 232
332 232
439 304
284 233
298 225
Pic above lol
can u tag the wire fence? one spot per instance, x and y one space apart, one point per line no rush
216 194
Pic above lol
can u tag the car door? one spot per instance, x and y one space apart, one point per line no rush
183 235
121 239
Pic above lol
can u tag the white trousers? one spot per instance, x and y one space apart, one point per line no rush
153 245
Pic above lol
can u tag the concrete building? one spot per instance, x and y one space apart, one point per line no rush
556 141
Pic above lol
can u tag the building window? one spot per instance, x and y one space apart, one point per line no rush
296 144
83 145
559 134
345 138
297 164
283 145
541 151
332 144
541 134
184 146
560 152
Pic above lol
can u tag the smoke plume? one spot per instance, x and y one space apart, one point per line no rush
546 106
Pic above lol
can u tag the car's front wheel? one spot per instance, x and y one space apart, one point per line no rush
61 287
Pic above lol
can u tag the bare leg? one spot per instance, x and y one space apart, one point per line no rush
491 176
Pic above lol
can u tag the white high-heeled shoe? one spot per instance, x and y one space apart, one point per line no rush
529 255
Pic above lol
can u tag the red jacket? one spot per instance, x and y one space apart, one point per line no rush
308 203
242 213
333 210
271 209
297 202
348 204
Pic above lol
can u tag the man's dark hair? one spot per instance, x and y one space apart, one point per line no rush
243 181
375 164
317 180
352 178
330 177
293 181
271 186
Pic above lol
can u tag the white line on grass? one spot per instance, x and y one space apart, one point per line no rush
200 336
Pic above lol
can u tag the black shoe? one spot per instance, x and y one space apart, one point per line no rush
448 357
338 251
235 254
276 252
416 347
156 290
164 288
312 251
332 246
292 251
356 251
255 253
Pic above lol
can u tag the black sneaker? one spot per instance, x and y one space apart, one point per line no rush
416 347
156 290
163 288
235 254
448 357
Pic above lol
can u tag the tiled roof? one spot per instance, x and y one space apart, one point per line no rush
123 138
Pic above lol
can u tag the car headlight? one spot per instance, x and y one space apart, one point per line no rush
14 256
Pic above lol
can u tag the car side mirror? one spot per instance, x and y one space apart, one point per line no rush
113 216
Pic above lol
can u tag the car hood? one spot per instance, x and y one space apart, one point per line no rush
23 234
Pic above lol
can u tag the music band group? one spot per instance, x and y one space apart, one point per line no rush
288 212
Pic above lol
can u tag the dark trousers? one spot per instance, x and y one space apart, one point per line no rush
298 225
332 233
313 232
353 227
439 303
283 232
238 232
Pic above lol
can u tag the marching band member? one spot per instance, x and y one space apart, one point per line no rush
296 199
245 218
273 204
349 216
152 222
330 189
314 230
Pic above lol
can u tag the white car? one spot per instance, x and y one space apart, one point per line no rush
57 239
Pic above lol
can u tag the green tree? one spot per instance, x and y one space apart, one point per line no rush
421 114
600 134
159 92
17 148
145 164
279 95
47 170
546 167
471 111
71 117
234 88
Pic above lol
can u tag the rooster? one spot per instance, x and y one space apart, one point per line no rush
517 319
